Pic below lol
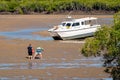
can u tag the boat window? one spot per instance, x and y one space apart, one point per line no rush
88 22
63 24
68 24
82 23
93 22
76 24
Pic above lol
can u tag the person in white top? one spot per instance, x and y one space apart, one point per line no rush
38 52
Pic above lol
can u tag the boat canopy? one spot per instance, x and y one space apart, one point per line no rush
80 20
85 19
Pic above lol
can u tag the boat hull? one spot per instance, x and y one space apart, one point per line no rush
80 36
78 33
57 38
54 35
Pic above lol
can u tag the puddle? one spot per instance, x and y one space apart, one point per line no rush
76 78
64 64
19 78
33 65
25 34
76 63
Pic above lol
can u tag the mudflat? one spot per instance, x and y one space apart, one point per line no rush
62 60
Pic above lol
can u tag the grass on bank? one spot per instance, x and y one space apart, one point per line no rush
50 6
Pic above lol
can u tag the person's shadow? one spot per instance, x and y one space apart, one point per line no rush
37 57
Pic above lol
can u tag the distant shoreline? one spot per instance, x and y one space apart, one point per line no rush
94 12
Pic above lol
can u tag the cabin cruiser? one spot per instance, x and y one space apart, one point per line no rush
75 28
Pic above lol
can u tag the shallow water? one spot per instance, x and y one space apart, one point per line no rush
64 64
33 65
76 63
25 34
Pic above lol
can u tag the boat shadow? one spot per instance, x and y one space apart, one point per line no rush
77 39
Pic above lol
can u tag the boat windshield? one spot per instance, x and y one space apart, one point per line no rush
76 24
63 24
68 24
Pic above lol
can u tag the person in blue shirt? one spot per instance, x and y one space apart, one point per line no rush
29 51
38 52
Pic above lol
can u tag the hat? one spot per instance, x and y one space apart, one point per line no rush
38 47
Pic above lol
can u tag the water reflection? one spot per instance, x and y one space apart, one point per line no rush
30 65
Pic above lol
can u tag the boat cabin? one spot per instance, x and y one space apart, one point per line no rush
80 22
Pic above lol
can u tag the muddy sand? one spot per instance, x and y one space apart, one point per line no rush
61 60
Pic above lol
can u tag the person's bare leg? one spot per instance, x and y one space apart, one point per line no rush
41 56
30 57
34 56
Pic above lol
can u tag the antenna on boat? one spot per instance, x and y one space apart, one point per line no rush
69 15
68 18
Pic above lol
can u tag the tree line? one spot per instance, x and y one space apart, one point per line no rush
51 6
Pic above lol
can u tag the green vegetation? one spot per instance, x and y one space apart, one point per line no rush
50 6
106 42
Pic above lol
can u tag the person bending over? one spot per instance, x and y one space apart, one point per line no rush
38 52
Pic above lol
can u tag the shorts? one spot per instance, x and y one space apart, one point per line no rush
30 53
38 53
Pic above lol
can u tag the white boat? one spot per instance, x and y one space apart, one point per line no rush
75 28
